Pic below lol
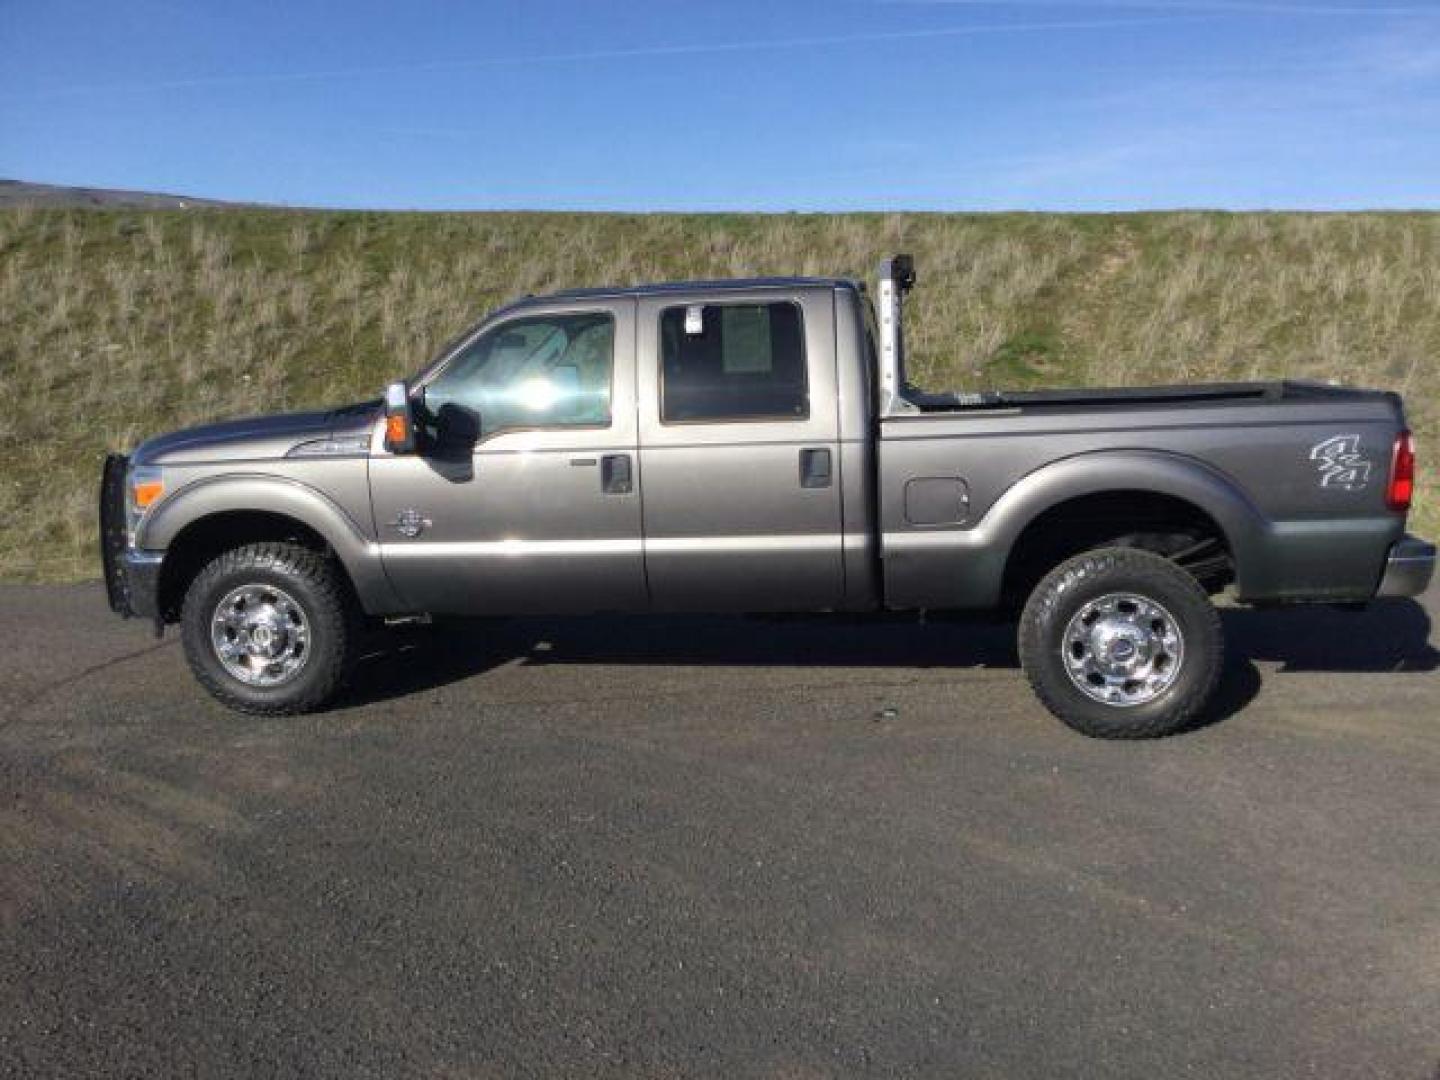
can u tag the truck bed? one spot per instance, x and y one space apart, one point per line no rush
1293 473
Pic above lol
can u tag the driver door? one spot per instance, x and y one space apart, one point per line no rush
540 510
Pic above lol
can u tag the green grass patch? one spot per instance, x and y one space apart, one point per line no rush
120 324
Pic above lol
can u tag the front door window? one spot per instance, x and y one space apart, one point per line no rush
550 371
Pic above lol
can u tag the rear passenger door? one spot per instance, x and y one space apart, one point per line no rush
739 451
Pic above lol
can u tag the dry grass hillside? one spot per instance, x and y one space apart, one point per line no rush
120 324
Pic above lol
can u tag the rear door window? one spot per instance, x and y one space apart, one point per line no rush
733 362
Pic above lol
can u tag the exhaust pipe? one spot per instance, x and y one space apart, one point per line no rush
897 277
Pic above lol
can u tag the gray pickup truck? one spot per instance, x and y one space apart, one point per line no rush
754 446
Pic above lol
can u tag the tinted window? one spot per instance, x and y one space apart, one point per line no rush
733 362
549 371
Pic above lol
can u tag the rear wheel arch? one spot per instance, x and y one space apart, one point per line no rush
1158 522
1131 497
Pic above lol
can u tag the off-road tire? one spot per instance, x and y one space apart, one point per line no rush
316 583
1067 588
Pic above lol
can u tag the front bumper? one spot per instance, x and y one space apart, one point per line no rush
133 583
132 576
1409 568
140 583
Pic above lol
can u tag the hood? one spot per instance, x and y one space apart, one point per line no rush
253 438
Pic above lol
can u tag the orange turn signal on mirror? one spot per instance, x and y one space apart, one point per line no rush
397 430
147 492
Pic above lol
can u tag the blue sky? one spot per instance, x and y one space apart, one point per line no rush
667 104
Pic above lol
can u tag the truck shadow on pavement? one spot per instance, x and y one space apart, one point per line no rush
1389 636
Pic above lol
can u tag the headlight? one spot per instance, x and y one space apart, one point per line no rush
144 487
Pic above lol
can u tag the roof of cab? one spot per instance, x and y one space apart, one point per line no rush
665 288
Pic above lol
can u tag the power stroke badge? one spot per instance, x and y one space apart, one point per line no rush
1341 463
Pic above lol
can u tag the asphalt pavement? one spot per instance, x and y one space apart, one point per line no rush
716 847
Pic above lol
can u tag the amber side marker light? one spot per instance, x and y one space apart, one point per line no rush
1402 473
146 492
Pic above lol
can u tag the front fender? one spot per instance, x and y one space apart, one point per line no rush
964 567
258 492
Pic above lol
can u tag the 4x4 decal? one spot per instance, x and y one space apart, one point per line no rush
1340 463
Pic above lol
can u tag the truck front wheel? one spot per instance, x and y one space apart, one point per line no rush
269 629
1121 643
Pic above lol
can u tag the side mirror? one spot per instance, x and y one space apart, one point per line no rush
399 421
457 430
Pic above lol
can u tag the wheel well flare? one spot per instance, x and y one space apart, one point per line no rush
1150 521
204 539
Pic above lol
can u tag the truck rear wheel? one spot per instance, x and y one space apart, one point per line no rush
269 629
1121 643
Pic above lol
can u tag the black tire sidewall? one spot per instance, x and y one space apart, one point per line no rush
1082 579
307 581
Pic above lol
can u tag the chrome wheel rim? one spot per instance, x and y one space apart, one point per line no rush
260 635
1123 649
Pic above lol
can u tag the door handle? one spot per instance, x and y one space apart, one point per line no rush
815 469
615 478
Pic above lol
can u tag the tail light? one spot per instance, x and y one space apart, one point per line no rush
1402 473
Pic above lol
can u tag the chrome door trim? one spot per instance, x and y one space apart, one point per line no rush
666 545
